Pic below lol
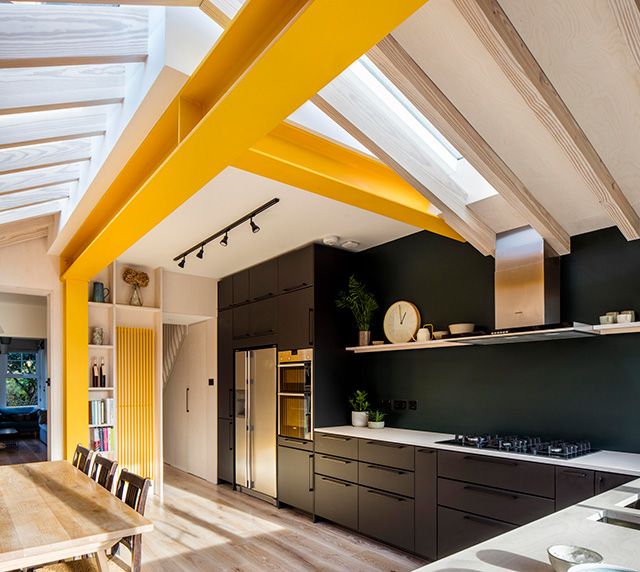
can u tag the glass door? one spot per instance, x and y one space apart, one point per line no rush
294 396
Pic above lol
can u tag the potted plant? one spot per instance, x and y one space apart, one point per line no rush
376 419
362 304
359 408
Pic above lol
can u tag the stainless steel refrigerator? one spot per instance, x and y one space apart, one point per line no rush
255 391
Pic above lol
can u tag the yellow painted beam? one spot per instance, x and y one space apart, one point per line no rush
76 365
274 56
296 157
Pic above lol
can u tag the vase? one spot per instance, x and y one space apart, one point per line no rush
97 336
376 424
359 418
364 338
136 296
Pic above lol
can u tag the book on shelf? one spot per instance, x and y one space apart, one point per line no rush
102 411
102 439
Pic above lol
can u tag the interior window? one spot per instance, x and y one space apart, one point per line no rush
21 379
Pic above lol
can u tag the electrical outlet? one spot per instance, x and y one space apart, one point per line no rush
399 404
385 404
413 405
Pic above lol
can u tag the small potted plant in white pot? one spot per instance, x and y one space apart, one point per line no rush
376 419
359 408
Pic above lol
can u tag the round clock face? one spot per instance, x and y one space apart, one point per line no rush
401 322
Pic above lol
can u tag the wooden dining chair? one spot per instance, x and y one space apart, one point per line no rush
103 471
82 459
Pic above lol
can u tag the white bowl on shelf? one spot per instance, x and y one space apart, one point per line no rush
463 328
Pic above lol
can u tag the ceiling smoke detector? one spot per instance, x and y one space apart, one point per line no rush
330 240
350 244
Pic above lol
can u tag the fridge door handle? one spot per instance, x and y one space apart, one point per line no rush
187 400
311 471
247 385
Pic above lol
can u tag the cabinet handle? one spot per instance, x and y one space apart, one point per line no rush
263 332
335 437
289 288
187 400
341 461
490 492
263 297
489 521
299 441
311 473
575 473
389 445
386 469
332 481
387 495
230 403
230 435
490 460
426 451
311 326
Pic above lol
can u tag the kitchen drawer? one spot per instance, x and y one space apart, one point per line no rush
337 445
458 530
514 475
295 478
337 501
573 486
606 481
386 517
508 506
303 444
344 469
397 481
390 454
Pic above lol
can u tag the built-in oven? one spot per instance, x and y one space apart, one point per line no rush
295 392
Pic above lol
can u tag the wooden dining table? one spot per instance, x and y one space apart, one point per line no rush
52 511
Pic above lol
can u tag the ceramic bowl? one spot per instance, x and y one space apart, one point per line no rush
564 556
439 334
625 318
461 328
607 319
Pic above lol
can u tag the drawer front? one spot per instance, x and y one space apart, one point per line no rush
573 486
514 475
459 530
426 488
387 517
397 481
344 469
303 444
295 478
337 445
607 481
337 501
389 454
508 506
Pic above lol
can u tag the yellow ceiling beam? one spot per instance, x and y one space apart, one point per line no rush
274 56
299 158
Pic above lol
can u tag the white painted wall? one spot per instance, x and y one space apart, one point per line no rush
188 295
23 316
26 268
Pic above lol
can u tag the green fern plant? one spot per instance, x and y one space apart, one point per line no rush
359 401
360 301
377 416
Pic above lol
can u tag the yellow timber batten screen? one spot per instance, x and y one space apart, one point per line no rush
135 395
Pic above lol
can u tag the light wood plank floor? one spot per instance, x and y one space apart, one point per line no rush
201 526
29 451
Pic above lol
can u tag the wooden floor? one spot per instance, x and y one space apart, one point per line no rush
29 450
202 526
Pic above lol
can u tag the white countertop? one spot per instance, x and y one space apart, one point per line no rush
525 549
608 461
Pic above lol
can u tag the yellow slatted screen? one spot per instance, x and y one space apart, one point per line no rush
135 384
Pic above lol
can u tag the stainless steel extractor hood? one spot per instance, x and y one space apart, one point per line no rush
527 293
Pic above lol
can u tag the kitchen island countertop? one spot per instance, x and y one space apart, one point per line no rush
607 461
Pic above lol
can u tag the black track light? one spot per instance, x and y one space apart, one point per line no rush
200 254
254 227
225 240
182 262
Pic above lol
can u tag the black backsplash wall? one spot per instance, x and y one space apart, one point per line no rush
587 388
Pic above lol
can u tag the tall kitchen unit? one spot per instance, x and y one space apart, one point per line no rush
255 422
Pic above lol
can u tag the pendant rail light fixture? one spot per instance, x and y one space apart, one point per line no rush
224 232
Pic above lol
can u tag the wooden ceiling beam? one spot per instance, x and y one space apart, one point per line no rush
23 231
33 197
391 58
503 42
39 36
65 105
627 14
38 177
179 3
26 213
28 157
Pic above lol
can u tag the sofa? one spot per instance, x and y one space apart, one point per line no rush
24 419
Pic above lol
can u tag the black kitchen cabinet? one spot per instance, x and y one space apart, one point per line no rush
295 477
426 499
296 319
389 454
263 280
225 364
225 293
296 269
226 459
240 282
263 316
606 481
337 501
387 517
573 486
241 324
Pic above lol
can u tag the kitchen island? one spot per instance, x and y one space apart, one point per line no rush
525 549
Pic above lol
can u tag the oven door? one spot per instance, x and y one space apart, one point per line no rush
295 415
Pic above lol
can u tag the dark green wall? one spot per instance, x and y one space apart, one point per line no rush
587 388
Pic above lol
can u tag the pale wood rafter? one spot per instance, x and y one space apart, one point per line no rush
627 13
494 29
18 232
391 58
29 157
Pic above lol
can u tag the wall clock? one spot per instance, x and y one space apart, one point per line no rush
401 322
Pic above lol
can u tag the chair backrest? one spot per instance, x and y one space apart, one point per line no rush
103 471
82 459
132 490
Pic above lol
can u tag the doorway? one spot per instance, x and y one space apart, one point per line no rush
24 387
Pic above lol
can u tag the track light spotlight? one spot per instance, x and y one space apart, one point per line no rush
200 254
182 262
225 240
254 227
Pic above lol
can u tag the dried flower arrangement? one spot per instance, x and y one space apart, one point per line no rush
137 279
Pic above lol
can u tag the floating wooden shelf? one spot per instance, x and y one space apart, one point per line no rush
101 389
100 347
138 308
628 328
101 425
433 344
100 304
